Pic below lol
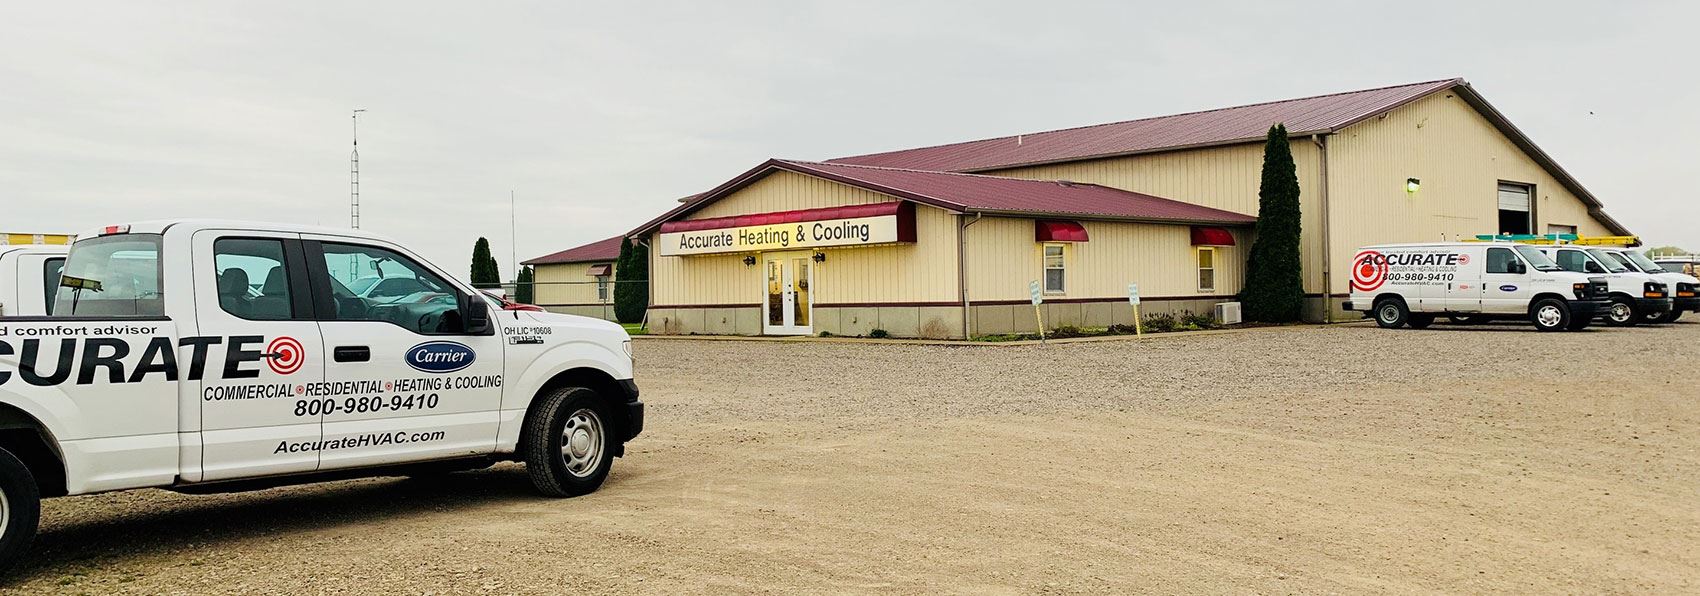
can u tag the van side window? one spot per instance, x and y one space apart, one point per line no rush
50 279
253 282
368 283
1499 260
1572 260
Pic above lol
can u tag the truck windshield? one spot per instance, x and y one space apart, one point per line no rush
1605 259
1640 261
111 275
1537 260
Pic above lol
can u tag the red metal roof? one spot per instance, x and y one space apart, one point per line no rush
600 250
1308 115
973 193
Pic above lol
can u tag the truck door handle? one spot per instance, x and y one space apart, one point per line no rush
352 353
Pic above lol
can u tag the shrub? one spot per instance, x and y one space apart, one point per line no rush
1121 329
1160 322
631 275
1274 290
1199 321
878 334
1068 331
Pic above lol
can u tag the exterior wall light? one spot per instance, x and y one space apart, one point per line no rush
750 261
1412 185
820 257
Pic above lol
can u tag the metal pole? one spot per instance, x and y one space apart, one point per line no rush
354 175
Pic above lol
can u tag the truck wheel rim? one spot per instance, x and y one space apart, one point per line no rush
1389 313
1549 316
581 442
1620 312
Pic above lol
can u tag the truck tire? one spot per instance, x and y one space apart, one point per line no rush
1550 314
568 443
1578 324
20 509
1390 313
1663 318
1419 321
1622 313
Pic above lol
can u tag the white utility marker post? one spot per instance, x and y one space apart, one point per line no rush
1038 298
1133 298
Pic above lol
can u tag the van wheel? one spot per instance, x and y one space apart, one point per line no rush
1622 313
20 509
1418 321
1550 314
568 443
1578 324
1391 314
1664 318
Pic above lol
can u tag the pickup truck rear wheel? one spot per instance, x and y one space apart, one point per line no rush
20 508
1550 314
568 443
1622 313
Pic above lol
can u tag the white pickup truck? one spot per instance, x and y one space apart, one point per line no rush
28 275
215 356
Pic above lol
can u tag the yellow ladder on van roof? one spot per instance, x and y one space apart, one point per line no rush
1560 239
16 238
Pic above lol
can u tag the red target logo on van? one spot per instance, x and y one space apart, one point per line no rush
1369 271
284 355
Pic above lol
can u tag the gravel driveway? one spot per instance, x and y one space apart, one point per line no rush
1343 459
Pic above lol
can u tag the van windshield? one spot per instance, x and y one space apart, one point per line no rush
1641 261
1610 263
111 275
1537 260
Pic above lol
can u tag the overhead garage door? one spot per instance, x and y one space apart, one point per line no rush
1513 197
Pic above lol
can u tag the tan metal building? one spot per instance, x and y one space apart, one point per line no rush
1164 202
578 280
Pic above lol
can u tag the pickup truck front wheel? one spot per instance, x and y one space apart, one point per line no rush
20 508
569 443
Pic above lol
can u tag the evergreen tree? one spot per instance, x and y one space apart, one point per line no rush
523 292
484 273
631 287
1274 287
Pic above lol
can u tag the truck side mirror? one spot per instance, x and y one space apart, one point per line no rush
1517 267
476 314
1593 267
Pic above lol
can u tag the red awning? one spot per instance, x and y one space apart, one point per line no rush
599 270
1209 236
1058 231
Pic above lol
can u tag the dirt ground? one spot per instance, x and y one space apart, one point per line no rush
1346 459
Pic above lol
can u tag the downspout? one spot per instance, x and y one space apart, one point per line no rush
962 224
1321 141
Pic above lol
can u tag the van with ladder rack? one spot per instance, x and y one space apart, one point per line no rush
1402 285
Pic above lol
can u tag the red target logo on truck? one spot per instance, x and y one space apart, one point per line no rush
284 355
1369 271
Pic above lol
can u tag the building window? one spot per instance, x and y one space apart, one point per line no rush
602 288
1206 269
1053 269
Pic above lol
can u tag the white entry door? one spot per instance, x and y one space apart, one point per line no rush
786 282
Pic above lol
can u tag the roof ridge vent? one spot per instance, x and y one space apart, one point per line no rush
1067 183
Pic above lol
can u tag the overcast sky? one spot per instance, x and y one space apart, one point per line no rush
599 116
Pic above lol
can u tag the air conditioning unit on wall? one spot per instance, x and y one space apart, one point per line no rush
1228 313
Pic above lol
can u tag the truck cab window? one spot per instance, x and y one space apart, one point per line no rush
1572 260
111 276
50 278
253 282
368 283
1499 260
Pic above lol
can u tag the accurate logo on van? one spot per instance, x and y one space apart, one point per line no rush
440 357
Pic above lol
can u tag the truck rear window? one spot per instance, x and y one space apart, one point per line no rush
111 275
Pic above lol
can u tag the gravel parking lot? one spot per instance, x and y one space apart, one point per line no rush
1342 459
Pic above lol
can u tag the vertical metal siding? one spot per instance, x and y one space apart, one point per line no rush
1003 258
583 292
1460 159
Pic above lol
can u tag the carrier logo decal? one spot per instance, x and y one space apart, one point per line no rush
440 357
1508 288
284 355
1369 271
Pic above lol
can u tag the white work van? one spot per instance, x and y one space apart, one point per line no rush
1633 297
1684 288
215 356
1412 284
29 274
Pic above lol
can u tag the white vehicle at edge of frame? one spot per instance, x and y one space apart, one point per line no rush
1685 288
1412 284
28 272
209 356
1633 297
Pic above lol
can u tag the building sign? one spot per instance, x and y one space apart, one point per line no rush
855 225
